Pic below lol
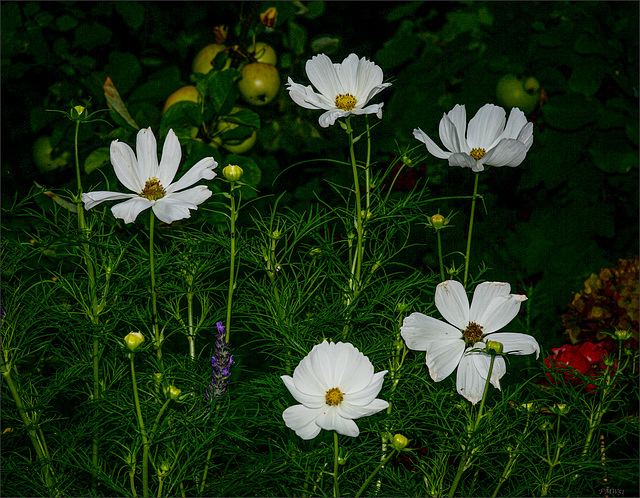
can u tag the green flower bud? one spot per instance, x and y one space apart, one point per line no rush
79 113
560 409
437 221
232 172
622 335
173 392
402 306
407 161
400 441
132 340
494 347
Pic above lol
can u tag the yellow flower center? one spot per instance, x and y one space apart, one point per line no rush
472 334
334 396
345 101
477 153
152 190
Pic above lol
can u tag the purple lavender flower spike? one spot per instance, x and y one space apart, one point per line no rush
221 362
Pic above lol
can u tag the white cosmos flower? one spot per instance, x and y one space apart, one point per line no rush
335 384
459 342
486 141
152 183
344 88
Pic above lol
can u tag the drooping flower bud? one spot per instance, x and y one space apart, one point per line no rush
400 441
232 172
132 340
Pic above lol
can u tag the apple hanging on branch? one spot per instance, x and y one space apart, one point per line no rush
259 84
521 93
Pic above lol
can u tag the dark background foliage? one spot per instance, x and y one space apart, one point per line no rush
570 209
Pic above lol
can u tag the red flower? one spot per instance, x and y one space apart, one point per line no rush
577 361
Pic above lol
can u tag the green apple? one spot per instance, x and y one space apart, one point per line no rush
239 146
263 53
43 156
203 61
188 92
259 84
523 94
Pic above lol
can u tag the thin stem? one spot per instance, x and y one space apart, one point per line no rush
143 432
367 170
473 212
191 336
354 281
154 295
466 457
336 489
440 255
206 470
373 474
232 264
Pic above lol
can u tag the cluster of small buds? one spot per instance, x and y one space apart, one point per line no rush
221 362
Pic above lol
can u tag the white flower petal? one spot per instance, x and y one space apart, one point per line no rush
374 91
452 303
508 152
526 136
482 362
465 161
482 297
203 169
514 343
516 122
486 126
449 135
458 116
328 118
171 156
129 210
367 394
355 411
357 373
443 357
302 420
431 145
125 166
322 74
176 206
421 331
500 311
469 380
313 400
92 199
307 98
370 109
306 380
147 152
331 420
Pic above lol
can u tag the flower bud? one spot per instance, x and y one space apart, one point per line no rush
232 172
494 347
132 340
78 113
437 221
560 409
269 17
407 161
173 392
400 441
622 335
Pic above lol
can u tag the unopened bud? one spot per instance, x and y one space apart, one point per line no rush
269 17
622 335
132 340
173 392
232 172
494 347
400 441
437 221
560 409
78 113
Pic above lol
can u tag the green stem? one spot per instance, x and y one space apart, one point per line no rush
143 432
547 483
354 281
32 431
466 457
367 170
473 212
373 474
206 470
154 295
232 265
191 336
513 457
336 489
440 255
